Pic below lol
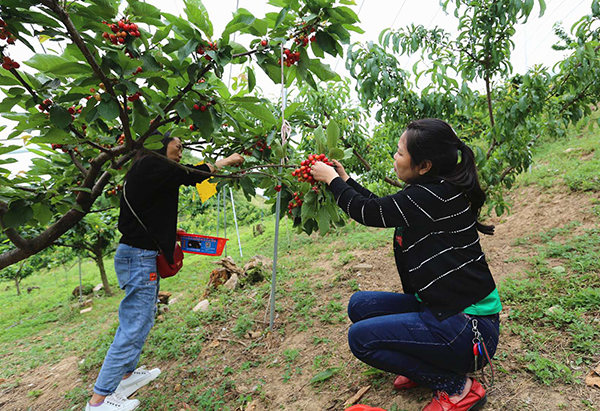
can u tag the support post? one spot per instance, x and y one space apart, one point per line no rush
237 230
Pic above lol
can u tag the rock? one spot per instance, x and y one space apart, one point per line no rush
30 289
232 282
87 303
258 229
163 297
252 335
85 310
98 288
160 318
362 267
253 406
173 301
568 150
202 306
163 309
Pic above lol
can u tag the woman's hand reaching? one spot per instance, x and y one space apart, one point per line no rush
325 174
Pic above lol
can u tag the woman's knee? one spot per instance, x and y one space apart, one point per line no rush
356 340
356 301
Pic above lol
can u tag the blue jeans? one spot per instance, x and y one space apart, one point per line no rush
395 333
137 275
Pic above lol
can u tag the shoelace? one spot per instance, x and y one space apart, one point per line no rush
116 399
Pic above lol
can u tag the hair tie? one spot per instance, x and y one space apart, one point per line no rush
461 145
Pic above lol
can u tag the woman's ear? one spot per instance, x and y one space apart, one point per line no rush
424 167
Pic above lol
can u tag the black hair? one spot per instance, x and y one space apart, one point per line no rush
434 140
162 151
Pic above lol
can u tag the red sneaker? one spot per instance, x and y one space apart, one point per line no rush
362 407
403 383
475 400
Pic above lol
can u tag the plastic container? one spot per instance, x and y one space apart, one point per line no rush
202 244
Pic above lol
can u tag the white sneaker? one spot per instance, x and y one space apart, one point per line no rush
137 380
114 402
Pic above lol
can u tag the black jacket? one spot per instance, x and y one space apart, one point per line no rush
152 189
436 243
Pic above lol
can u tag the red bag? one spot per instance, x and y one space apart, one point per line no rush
166 270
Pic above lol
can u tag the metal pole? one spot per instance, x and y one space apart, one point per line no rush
236 224
278 205
225 219
80 283
218 211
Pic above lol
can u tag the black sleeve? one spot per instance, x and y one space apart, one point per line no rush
164 174
397 210
360 189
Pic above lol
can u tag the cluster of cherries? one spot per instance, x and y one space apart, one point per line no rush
46 104
121 30
114 191
295 202
290 57
59 147
303 172
9 64
121 139
204 107
74 110
211 46
137 71
260 144
135 96
5 34
305 34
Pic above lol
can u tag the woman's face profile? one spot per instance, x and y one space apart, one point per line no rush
174 150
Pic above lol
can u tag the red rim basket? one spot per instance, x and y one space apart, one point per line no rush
202 244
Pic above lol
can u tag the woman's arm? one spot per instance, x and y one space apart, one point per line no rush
396 210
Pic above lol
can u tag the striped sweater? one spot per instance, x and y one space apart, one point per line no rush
436 244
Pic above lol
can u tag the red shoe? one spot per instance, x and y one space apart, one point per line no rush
475 400
362 407
403 383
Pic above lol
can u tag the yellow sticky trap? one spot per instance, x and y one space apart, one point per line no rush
206 189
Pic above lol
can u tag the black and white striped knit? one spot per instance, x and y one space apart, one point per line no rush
436 244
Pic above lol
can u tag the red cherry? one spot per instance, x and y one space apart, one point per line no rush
264 43
196 107
203 108
192 127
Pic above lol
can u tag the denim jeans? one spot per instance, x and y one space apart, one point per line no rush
137 275
396 333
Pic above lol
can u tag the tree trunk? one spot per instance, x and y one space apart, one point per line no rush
17 284
100 263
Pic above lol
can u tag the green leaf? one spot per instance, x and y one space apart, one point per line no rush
59 116
145 10
281 16
9 102
320 139
42 213
324 375
323 71
108 110
251 79
543 7
198 16
18 214
336 153
242 20
182 109
54 135
326 43
8 149
52 64
260 112
333 134
324 222
160 35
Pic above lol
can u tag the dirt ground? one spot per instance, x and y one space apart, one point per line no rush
533 211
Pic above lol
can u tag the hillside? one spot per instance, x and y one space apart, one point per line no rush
544 257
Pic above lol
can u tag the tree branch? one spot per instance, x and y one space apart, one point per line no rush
11 233
77 162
